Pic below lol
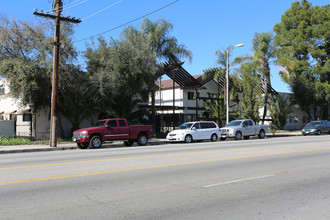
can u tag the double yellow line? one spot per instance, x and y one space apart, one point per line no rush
153 166
129 158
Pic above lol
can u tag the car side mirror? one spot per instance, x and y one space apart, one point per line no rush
194 128
107 126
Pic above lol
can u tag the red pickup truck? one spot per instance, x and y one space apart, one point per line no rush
115 129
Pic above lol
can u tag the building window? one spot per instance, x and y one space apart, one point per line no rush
293 119
191 95
11 117
27 117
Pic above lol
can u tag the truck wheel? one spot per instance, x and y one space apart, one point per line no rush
261 134
95 142
142 140
188 139
82 145
246 137
129 143
238 135
214 137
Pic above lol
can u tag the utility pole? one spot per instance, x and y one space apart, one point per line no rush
57 7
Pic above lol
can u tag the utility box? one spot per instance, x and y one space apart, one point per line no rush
7 128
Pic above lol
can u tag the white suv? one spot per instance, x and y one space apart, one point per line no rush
198 130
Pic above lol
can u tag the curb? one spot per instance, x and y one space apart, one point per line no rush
36 150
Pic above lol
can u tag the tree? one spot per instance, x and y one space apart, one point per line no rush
27 62
215 108
128 108
132 61
251 96
279 111
164 46
264 53
222 62
303 38
120 71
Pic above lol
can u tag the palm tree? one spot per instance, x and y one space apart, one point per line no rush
222 62
215 108
264 53
164 46
279 111
157 34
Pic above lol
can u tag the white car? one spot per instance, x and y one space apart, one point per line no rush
191 131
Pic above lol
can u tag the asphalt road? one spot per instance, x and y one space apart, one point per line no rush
275 178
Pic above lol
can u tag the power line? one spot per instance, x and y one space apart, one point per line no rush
101 10
128 22
79 3
76 3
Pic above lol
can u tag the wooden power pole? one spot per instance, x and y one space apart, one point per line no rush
57 7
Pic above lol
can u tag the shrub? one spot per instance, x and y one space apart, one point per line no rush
14 141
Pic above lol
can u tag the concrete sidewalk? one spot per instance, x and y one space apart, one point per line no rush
73 146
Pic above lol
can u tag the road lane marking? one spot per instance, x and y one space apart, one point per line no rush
157 166
237 181
129 158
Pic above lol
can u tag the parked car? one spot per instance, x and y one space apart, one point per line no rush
316 127
192 131
109 130
243 128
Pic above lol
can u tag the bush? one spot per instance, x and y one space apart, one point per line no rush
14 141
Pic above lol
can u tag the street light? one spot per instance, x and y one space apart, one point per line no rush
227 80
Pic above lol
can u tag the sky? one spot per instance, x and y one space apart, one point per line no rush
203 26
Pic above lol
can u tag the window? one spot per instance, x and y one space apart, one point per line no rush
11 117
112 124
208 125
27 117
122 123
196 126
327 124
293 119
99 123
191 95
250 123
